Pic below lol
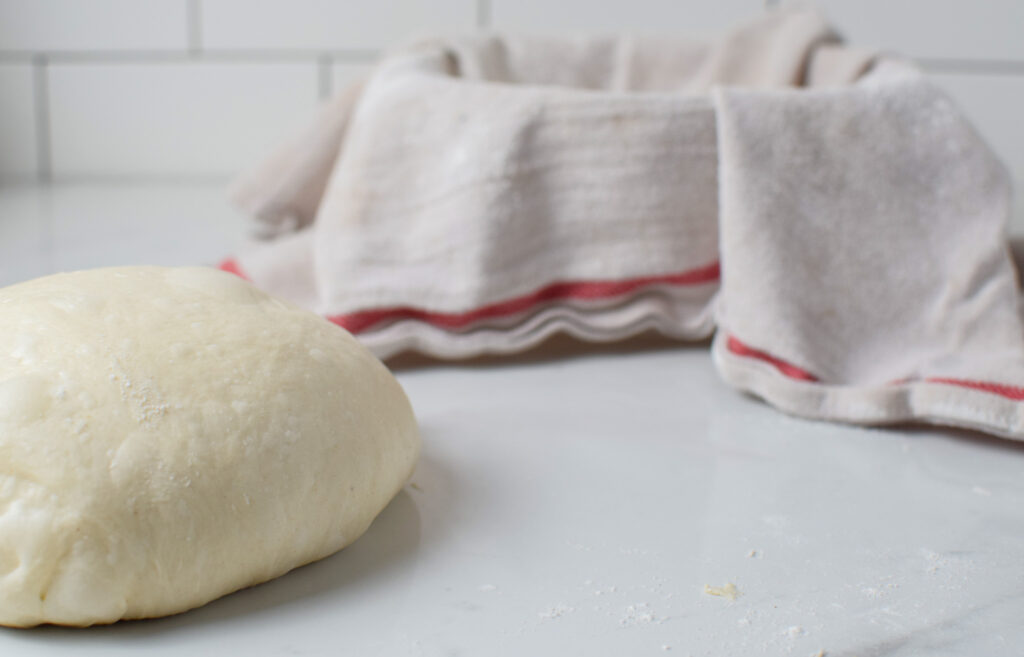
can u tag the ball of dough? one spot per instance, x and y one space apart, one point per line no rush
171 435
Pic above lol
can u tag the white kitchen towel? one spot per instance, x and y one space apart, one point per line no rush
476 195
866 275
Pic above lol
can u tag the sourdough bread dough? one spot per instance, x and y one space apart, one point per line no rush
171 435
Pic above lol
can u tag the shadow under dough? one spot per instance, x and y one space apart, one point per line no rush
389 542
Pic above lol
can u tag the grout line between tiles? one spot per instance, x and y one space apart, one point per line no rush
121 179
483 13
193 27
1008 67
41 114
325 69
18 179
176 56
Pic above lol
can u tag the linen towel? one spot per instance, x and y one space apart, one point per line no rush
830 212
486 192
865 271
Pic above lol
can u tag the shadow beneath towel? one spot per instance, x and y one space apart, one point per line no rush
1016 243
557 347
983 440
388 547
912 428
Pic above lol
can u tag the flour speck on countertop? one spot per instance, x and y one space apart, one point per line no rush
556 611
639 614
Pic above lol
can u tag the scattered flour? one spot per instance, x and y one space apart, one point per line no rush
556 611
933 561
487 588
881 589
640 614
634 551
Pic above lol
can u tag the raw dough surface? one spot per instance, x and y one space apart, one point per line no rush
171 435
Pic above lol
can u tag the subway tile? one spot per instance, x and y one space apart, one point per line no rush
682 16
995 103
62 25
942 29
17 122
327 24
191 118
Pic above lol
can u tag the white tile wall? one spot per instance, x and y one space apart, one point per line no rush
328 24
62 25
689 16
940 29
198 118
172 88
17 122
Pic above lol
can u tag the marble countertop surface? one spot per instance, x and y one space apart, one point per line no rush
577 501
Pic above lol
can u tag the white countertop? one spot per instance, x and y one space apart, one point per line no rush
576 502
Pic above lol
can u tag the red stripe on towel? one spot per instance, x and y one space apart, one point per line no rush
1014 393
790 370
231 266
361 321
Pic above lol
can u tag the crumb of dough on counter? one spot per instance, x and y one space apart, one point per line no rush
728 591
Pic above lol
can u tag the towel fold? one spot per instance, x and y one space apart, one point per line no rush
866 277
478 184
830 212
